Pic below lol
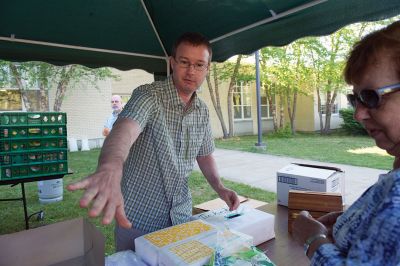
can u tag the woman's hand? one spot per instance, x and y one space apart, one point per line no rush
329 220
305 226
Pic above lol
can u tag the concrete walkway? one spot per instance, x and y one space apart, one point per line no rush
259 170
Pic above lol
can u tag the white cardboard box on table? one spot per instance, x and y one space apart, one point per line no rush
189 243
148 247
197 252
307 177
253 222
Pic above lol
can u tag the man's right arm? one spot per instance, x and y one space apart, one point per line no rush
106 131
102 188
107 126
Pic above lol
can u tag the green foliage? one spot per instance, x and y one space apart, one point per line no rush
38 75
283 132
225 71
350 125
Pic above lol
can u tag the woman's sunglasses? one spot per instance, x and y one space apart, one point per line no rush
371 98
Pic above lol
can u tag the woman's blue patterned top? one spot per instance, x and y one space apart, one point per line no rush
368 233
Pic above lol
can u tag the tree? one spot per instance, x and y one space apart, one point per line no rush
270 80
328 55
232 72
43 76
216 100
231 87
286 75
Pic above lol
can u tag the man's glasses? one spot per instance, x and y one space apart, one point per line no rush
186 64
371 98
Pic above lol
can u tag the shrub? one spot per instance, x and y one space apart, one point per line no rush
284 132
350 125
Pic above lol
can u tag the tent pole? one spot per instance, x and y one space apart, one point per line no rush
76 47
270 19
154 28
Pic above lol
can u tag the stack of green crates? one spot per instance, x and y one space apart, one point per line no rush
32 144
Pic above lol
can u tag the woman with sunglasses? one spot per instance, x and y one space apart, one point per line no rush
368 232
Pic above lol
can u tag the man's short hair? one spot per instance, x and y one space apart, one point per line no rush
193 38
116 97
369 49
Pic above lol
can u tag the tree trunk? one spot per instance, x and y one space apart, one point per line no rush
281 113
328 109
292 111
216 100
321 124
44 98
60 94
293 118
230 95
62 87
328 115
18 81
272 107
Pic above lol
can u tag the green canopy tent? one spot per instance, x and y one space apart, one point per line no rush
128 34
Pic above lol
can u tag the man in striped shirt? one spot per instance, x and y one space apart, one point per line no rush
142 175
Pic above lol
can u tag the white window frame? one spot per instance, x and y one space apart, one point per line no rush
20 99
264 93
334 111
244 90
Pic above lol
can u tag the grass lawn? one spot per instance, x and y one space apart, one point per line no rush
335 148
82 164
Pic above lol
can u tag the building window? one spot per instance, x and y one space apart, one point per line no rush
264 103
242 101
10 100
125 98
335 109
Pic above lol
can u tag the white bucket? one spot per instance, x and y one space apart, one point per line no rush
72 144
85 145
50 190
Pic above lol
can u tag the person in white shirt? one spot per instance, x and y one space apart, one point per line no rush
116 105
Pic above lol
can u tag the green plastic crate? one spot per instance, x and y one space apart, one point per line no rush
32 118
39 131
33 157
54 168
25 145
30 171
13 172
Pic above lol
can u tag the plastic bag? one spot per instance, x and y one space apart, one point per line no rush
124 258
229 242
249 257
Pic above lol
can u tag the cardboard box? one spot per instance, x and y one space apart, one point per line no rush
249 221
149 246
307 177
72 242
199 251
218 203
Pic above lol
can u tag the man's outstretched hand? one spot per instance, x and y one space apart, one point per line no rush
103 197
